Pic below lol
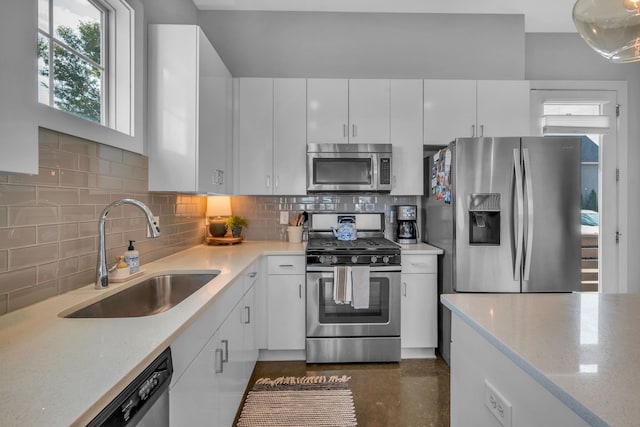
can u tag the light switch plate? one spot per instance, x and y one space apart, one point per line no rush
284 217
499 406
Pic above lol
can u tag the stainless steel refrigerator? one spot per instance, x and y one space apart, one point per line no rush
506 212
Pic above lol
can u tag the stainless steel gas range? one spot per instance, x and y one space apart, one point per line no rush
352 291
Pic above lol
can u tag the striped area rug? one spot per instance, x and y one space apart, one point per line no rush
299 401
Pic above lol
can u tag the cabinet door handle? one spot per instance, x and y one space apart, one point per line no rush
354 130
277 181
300 291
247 312
217 361
268 181
404 289
225 356
286 265
344 130
253 274
473 130
481 130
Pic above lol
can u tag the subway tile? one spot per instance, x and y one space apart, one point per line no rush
45 176
110 153
17 194
4 216
57 159
31 215
47 233
69 231
33 255
4 178
17 237
87 261
67 266
77 145
77 179
109 182
136 185
57 196
86 229
3 304
18 279
31 295
77 213
48 139
94 197
122 170
77 247
94 165
4 261
134 159
75 281
47 272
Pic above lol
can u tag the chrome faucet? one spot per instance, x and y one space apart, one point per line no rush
102 272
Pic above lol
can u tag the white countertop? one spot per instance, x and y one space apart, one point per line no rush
421 249
583 348
59 372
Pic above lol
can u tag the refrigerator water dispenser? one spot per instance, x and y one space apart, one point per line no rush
484 219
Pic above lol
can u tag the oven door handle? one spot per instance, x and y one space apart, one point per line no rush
372 269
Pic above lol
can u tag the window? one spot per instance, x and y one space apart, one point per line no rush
72 42
86 61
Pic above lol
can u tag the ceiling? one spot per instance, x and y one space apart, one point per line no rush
540 16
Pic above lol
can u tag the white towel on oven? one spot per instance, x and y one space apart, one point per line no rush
359 276
340 284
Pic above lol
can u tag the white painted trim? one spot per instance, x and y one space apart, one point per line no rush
620 87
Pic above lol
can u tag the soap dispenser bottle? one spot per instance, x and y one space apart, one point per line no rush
132 258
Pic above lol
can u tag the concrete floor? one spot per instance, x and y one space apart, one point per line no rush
412 393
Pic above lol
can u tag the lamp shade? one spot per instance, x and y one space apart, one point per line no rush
218 206
610 27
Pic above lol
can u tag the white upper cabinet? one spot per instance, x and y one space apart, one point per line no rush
406 136
271 135
190 114
470 108
343 111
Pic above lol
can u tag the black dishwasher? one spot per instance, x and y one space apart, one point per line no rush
144 402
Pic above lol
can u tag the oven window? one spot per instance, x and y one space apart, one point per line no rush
378 311
342 171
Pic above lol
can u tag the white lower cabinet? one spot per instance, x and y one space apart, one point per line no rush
210 389
419 319
286 303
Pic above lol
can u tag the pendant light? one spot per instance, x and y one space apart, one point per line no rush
610 27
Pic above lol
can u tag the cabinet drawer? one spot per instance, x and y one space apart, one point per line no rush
419 263
289 264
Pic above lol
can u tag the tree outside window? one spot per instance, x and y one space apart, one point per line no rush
71 46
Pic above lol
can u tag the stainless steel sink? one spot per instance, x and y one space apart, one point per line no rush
151 296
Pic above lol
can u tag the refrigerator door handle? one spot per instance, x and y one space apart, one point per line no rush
519 217
528 184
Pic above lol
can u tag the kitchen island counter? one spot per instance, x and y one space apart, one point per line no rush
58 371
581 349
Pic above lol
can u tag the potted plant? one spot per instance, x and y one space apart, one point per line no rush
235 224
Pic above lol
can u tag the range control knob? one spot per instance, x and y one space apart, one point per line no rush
334 259
374 259
354 259
322 259
385 259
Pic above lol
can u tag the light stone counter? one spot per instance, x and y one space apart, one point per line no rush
421 249
583 348
59 372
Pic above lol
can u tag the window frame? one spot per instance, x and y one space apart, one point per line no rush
125 126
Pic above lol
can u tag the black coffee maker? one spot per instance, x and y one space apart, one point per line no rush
407 224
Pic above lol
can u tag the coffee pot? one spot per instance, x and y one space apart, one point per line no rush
407 224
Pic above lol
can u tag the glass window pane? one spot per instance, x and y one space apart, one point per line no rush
77 85
43 15
43 69
78 24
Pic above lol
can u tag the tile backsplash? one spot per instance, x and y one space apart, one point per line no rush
263 212
49 221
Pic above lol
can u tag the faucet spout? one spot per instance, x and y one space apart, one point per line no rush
102 271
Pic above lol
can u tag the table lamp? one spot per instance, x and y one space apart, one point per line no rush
218 209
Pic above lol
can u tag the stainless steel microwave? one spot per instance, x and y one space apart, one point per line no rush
349 167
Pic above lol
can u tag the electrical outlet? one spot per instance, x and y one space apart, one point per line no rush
497 404
284 217
156 221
